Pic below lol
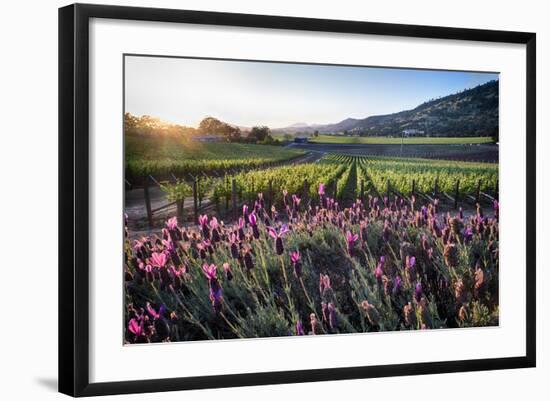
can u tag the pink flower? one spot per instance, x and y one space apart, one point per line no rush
158 259
351 239
214 223
135 327
252 219
154 314
172 223
209 271
296 263
203 219
279 248
282 231
321 189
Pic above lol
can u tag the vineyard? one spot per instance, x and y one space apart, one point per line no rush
382 140
344 245
346 178
169 156
350 177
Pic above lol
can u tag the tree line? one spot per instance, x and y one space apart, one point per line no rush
148 125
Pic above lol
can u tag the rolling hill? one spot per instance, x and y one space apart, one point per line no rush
472 112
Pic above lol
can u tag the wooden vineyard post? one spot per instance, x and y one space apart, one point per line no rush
148 203
179 208
457 186
335 189
436 186
198 190
305 192
478 191
413 187
234 198
195 201
362 191
388 188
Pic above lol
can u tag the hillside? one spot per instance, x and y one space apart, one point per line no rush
473 112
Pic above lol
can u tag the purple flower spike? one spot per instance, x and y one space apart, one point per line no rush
278 236
321 189
135 327
172 223
418 291
154 314
252 219
295 259
203 219
299 328
158 259
351 239
397 284
209 271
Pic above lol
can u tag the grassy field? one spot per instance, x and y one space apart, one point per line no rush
397 141
164 155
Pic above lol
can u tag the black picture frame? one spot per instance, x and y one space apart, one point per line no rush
74 198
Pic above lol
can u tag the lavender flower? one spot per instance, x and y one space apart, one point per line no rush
351 239
296 263
278 236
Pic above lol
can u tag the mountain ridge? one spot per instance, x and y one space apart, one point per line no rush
471 112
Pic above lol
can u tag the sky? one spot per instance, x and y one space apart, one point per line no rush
184 91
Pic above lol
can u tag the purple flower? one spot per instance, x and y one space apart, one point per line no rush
215 295
154 314
135 327
215 290
299 328
172 223
397 284
418 291
278 236
332 316
296 263
321 189
158 259
248 261
379 272
351 239
253 222
234 247
228 273
324 283
203 219
209 271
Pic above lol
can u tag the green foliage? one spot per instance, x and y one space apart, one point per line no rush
162 156
176 191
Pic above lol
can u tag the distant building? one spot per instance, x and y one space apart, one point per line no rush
209 138
301 139
413 132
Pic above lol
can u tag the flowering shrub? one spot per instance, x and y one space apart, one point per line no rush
313 269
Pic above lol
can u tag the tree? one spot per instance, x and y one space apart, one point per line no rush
316 133
211 125
259 133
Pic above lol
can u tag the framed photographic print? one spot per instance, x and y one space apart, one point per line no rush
250 199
